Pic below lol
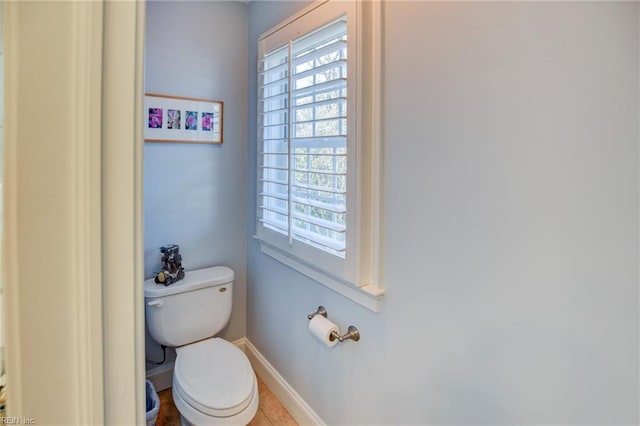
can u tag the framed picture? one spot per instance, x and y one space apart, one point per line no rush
176 119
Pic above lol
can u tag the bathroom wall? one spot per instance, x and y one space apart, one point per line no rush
511 188
194 195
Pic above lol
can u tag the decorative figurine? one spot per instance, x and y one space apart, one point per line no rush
172 269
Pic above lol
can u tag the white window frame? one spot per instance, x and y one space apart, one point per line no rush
357 276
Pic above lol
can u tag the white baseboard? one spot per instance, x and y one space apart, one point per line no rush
241 343
290 399
162 378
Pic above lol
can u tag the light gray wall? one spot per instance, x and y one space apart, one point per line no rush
511 185
194 195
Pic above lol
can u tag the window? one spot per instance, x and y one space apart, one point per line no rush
314 179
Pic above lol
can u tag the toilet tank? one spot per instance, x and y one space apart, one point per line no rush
194 308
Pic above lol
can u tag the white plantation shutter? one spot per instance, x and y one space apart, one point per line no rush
318 152
303 139
274 140
319 137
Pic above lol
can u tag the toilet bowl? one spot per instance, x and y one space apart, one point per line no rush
213 382
234 398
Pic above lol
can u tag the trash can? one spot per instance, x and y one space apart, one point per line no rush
153 404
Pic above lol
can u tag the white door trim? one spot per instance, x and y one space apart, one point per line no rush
72 253
52 248
122 213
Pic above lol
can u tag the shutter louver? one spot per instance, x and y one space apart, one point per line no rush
303 138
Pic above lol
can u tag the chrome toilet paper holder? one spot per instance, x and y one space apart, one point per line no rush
351 334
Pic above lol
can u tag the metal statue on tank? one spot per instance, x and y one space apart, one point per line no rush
172 269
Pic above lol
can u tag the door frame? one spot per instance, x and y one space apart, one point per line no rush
97 340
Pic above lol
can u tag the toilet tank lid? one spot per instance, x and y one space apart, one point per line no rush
193 280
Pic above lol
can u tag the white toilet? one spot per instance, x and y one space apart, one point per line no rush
213 382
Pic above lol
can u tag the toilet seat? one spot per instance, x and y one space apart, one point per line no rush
214 377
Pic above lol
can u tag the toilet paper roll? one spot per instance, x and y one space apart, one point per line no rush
322 329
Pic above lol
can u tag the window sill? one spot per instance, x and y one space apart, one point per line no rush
367 296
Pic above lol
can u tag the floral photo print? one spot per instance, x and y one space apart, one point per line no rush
191 120
155 118
173 119
207 121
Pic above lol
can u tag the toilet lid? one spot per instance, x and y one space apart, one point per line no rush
215 377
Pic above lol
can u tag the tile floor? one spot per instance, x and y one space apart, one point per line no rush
270 411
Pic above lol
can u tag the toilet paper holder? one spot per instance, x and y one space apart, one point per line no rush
352 332
321 311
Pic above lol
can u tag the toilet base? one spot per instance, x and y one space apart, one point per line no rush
200 419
